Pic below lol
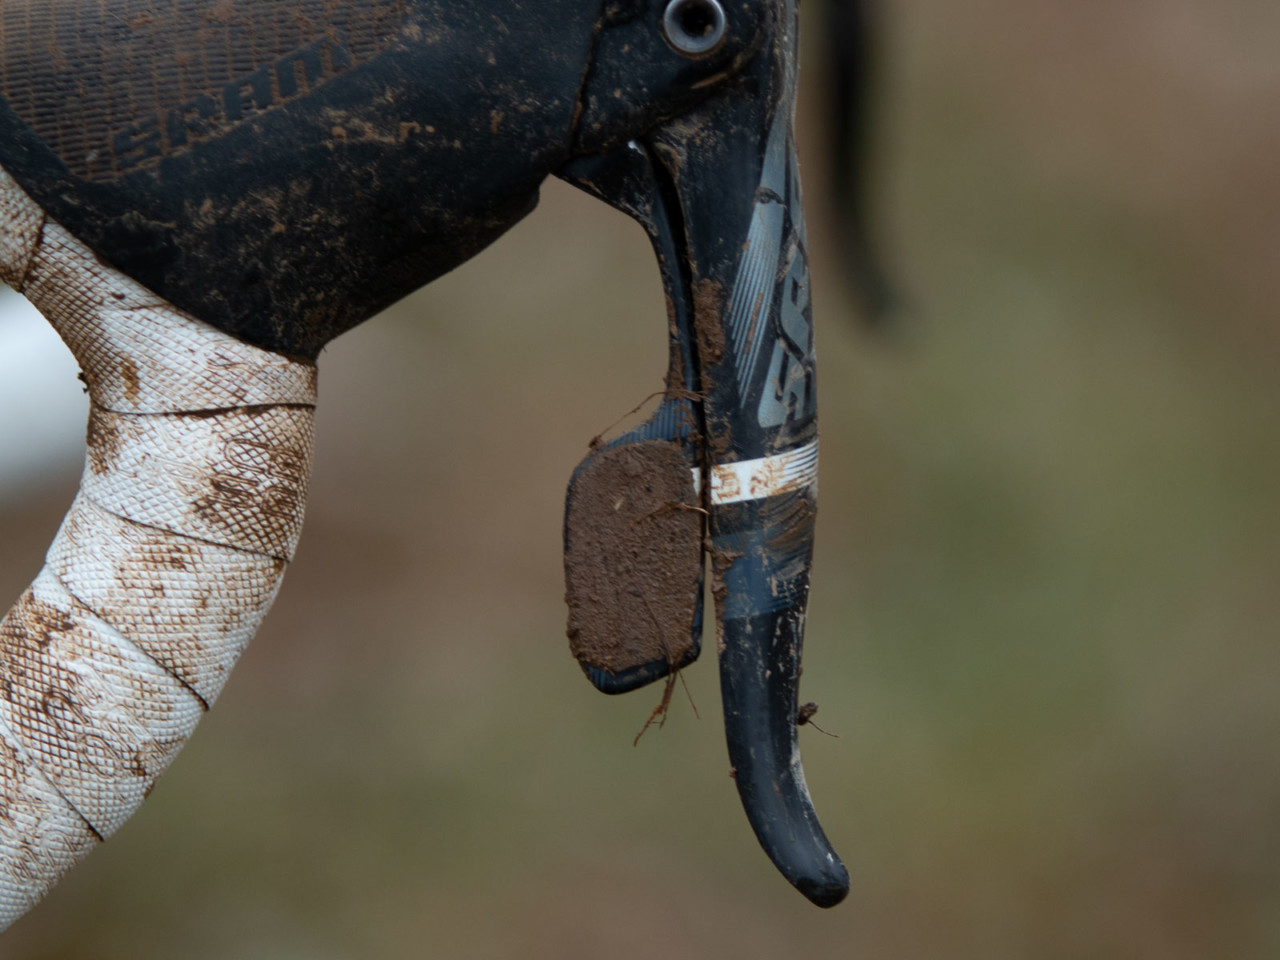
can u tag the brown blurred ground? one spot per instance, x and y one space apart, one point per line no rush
1045 606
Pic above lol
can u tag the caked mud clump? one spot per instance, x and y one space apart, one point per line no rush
633 557
708 309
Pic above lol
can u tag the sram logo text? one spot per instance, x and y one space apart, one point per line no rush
146 141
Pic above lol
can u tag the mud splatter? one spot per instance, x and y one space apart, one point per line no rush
722 559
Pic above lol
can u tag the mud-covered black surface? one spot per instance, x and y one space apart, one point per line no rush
285 195
285 170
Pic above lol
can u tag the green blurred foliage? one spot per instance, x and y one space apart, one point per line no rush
1045 606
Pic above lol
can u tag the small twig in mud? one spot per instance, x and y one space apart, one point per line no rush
671 508
805 715
660 711
676 394
664 705
689 693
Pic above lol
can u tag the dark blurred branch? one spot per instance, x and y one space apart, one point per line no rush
852 59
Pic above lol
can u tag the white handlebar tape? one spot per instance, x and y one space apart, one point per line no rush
189 509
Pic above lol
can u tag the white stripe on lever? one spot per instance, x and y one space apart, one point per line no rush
765 477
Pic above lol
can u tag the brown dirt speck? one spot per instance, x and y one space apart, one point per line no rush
224 11
42 621
805 714
129 374
103 440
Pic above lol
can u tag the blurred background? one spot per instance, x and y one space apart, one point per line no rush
1045 605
